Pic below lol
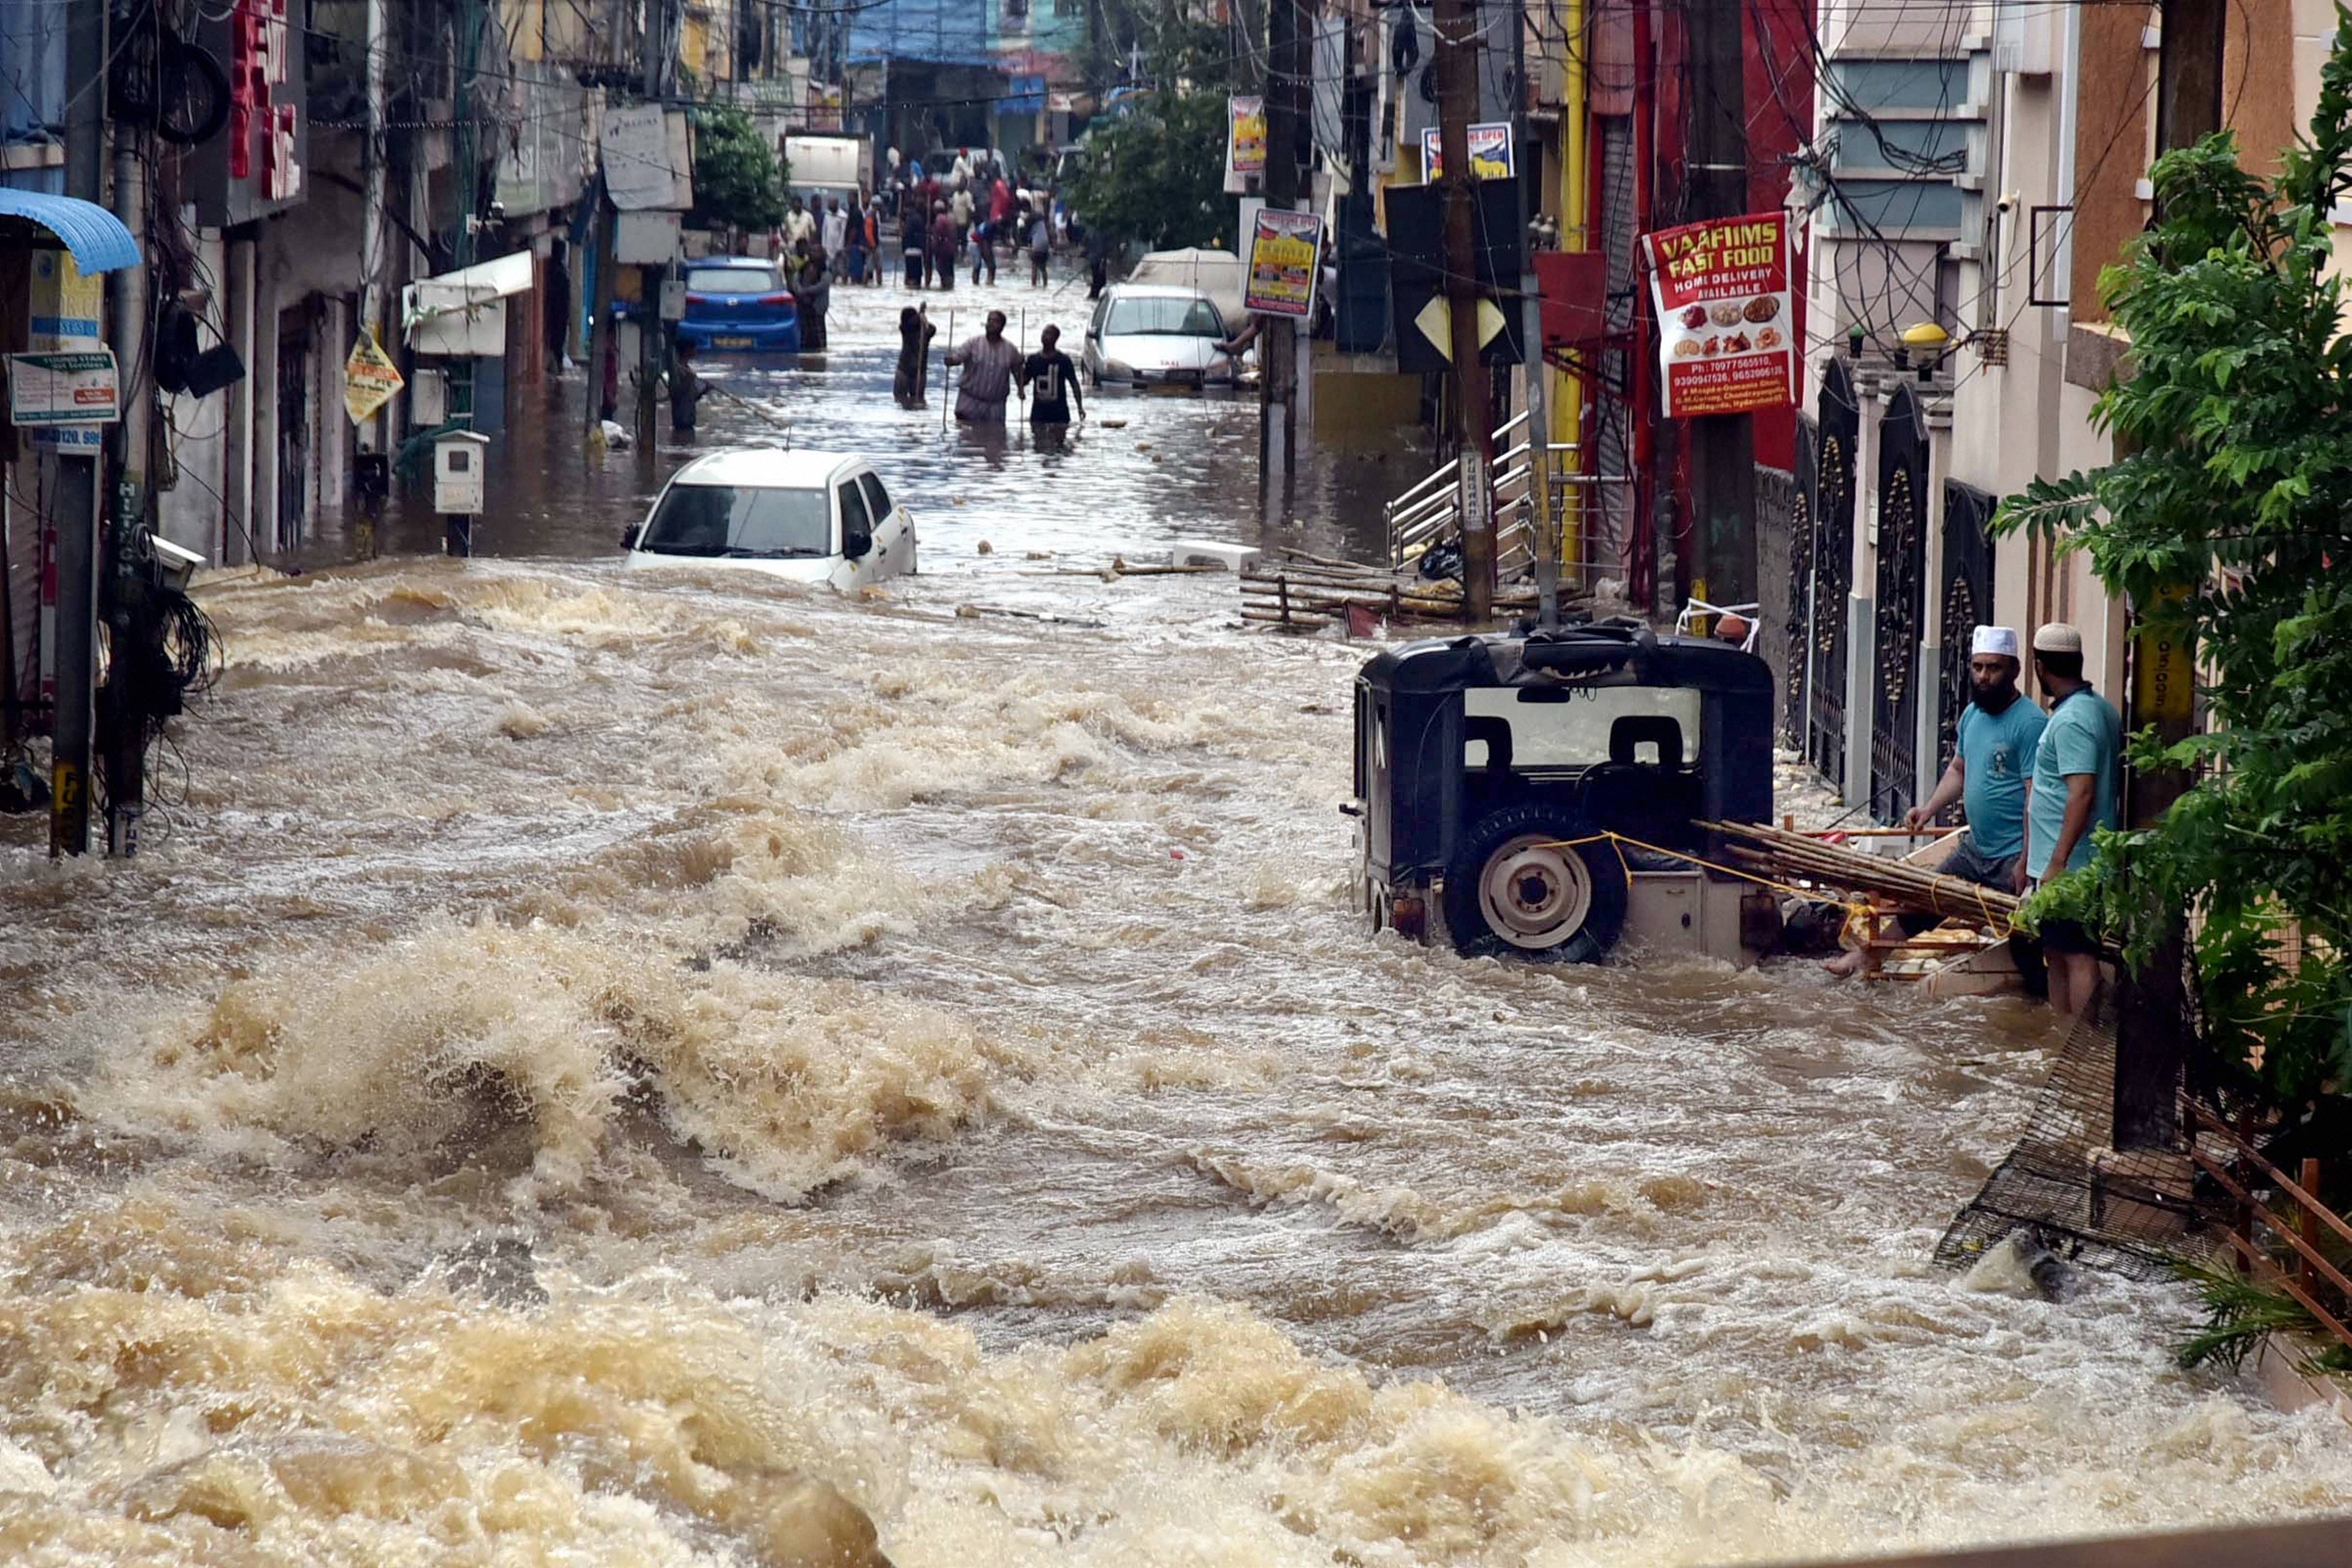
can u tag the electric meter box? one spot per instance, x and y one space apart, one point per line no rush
457 460
672 300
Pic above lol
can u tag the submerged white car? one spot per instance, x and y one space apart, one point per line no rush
1157 334
807 517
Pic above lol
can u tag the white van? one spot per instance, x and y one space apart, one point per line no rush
807 517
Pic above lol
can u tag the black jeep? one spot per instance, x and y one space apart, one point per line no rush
1542 794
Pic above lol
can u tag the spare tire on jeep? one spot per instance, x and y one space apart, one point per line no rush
1522 885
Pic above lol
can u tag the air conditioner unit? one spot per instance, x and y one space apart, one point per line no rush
2020 38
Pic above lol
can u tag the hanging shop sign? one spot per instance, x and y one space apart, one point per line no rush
1490 154
1727 338
370 379
77 386
1244 143
1286 255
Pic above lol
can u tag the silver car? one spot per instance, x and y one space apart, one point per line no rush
1156 334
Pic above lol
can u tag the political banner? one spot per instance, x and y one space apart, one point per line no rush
1285 254
1727 336
1491 156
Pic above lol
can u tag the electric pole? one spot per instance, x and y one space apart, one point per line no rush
2152 1004
649 331
1278 336
1456 23
1721 447
75 561
1549 536
128 605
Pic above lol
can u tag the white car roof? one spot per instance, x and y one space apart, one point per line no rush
1161 291
767 468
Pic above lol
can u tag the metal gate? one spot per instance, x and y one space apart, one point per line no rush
1795 715
1966 599
1838 430
1902 563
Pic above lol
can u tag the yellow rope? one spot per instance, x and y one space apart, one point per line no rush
1857 911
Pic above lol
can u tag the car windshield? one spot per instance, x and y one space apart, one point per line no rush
1164 317
739 520
729 280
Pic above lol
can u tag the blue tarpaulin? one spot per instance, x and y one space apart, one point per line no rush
943 32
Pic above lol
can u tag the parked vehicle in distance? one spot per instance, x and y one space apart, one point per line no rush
737 304
1219 274
1546 796
807 517
1156 334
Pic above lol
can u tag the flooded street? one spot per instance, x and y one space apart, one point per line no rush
650 1067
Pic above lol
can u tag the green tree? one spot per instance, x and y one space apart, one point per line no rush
739 180
1155 172
2237 419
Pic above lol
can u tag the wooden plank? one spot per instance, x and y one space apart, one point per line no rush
2327 1216
2313 1543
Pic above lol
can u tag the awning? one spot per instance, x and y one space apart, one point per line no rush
99 241
462 313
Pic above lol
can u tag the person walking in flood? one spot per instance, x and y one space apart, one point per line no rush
1041 240
916 330
686 390
943 246
989 363
913 243
1050 380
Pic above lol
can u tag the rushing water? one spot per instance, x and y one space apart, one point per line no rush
670 1067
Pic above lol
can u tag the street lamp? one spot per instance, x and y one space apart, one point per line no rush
1929 340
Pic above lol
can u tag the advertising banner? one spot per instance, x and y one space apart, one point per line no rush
1727 338
76 387
1490 154
1285 254
370 379
1244 144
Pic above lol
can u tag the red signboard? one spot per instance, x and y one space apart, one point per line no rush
1726 334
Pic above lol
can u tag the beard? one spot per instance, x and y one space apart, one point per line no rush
1997 701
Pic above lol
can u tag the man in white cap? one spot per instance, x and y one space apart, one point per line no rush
2075 775
1999 731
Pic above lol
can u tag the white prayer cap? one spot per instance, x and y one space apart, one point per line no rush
2058 637
2002 640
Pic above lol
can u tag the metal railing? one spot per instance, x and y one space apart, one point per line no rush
1429 513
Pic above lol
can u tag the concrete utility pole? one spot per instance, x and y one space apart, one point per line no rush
1721 446
373 269
1456 23
130 610
1539 493
76 507
653 53
1278 336
2152 1007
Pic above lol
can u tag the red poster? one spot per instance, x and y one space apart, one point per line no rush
1727 336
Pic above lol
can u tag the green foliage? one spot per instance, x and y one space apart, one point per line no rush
2240 1314
739 180
2237 420
1155 172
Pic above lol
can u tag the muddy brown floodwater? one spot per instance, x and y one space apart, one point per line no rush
670 1067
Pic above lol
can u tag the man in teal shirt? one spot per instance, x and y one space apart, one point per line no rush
2076 769
1989 772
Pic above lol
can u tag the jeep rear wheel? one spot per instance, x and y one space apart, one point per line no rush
1522 885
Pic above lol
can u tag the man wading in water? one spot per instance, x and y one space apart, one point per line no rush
1050 381
989 364
916 330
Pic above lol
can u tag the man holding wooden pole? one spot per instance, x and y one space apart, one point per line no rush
1991 772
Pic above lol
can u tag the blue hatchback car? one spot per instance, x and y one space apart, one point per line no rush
735 304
